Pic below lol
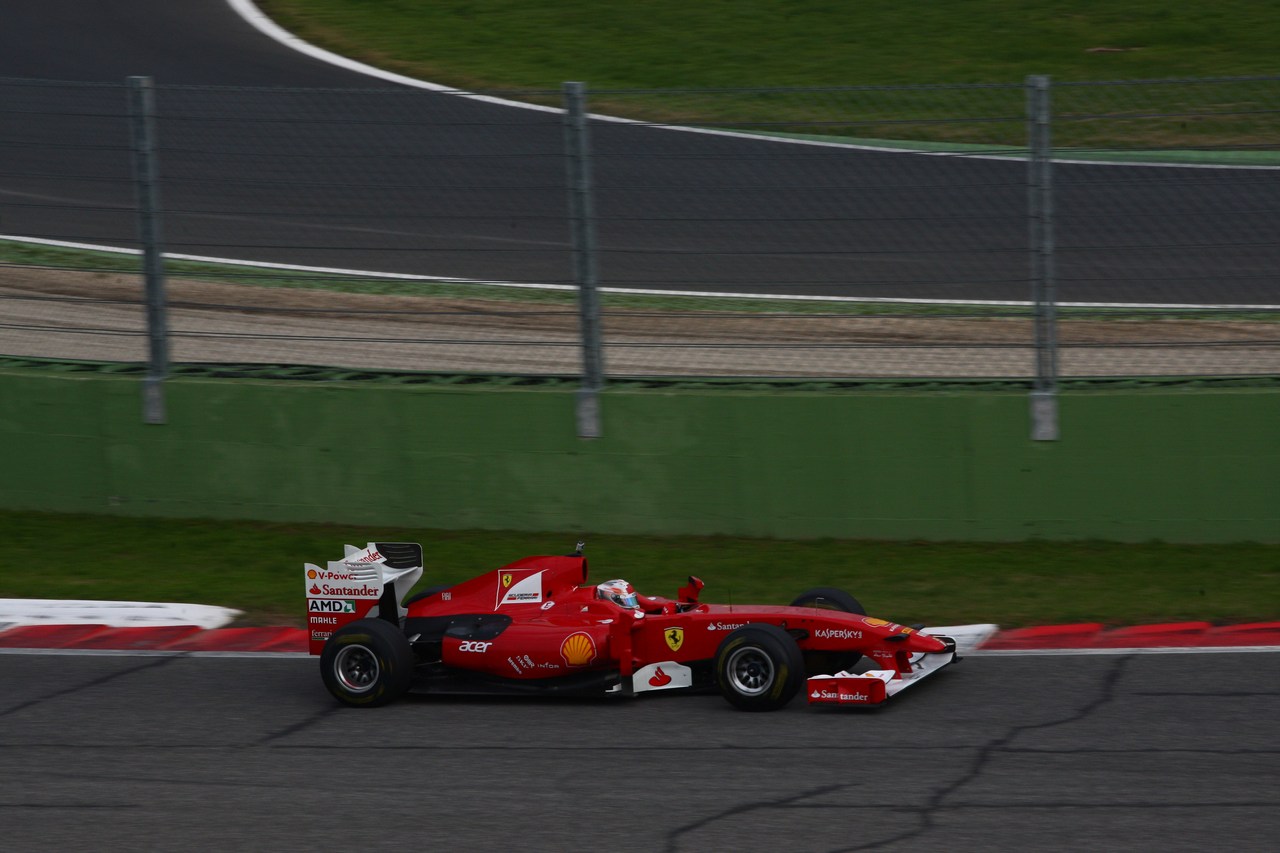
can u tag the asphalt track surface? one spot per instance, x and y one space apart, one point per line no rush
1166 752
676 210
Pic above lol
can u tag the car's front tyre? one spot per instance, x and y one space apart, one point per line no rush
759 668
829 598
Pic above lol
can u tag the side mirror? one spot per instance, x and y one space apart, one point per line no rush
689 594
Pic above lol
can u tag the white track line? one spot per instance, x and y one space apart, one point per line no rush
1161 650
150 653
627 291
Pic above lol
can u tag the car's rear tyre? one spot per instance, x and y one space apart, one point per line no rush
367 663
829 598
759 668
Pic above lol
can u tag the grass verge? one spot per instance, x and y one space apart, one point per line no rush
257 567
665 43
618 48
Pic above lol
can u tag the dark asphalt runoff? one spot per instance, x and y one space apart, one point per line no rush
427 183
1167 752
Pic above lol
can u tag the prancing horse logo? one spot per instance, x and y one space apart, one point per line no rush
506 580
675 638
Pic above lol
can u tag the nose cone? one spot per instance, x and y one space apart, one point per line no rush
913 641
930 643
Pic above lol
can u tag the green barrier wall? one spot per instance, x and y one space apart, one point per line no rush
1173 465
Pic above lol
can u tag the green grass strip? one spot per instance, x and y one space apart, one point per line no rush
257 567
675 62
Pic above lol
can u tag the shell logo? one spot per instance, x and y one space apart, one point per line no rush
578 649
879 623
311 573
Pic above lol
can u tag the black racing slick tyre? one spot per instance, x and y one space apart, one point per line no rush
367 663
759 668
829 598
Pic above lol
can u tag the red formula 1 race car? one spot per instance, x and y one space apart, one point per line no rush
537 626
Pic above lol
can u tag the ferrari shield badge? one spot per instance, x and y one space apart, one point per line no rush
675 638
520 588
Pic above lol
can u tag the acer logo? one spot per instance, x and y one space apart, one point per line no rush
474 646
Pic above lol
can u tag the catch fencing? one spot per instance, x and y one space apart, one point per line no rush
1033 231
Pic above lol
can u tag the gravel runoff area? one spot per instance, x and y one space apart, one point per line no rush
99 316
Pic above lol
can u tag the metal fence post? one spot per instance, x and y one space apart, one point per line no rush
1044 393
582 225
142 114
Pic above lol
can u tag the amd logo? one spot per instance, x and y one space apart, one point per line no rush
321 605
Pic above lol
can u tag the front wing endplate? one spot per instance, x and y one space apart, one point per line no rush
874 686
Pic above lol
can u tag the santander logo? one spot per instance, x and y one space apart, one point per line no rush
659 679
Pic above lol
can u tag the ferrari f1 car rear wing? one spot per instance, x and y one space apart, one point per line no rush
366 582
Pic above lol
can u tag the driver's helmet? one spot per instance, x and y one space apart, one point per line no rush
618 591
